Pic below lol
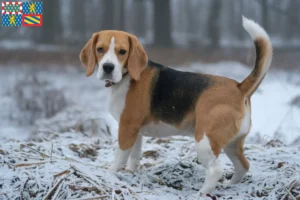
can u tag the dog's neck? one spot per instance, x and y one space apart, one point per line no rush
117 97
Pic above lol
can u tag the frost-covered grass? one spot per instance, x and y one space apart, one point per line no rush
68 155
75 166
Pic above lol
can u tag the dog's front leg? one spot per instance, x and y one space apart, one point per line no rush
135 155
121 157
128 140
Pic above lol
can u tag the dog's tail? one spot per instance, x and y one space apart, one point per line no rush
264 53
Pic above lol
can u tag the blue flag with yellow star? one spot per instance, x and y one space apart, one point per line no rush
11 20
32 7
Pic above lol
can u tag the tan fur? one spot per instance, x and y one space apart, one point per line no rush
88 55
136 58
219 110
263 55
218 114
239 145
136 111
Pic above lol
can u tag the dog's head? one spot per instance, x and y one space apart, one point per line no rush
115 53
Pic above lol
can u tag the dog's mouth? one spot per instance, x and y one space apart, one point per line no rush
108 80
109 83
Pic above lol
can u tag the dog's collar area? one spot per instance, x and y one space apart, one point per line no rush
109 83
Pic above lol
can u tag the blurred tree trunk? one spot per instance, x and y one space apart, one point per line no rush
292 20
97 14
78 25
162 23
108 18
51 31
192 24
239 27
139 18
213 30
265 15
121 21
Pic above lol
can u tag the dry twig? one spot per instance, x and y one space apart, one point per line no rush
31 164
88 179
57 191
22 146
61 173
53 189
92 198
22 188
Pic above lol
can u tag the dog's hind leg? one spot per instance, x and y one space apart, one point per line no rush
235 151
210 162
212 133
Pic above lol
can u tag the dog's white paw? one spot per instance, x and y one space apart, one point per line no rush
133 165
206 190
203 196
116 167
227 183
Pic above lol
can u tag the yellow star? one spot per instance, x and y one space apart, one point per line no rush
12 20
32 8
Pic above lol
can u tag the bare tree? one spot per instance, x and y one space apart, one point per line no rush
192 23
213 30
121 19
51 31
265 14
162 23
108 16
78 24
238 25
293 20
139 25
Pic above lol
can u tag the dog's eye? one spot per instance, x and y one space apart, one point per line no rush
100 50
122 51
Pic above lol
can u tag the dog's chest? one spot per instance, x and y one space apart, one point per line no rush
117 98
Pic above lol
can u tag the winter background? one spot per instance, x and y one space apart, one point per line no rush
57 139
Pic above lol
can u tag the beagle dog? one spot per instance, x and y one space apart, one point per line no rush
149 99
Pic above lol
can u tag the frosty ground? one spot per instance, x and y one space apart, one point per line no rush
67 155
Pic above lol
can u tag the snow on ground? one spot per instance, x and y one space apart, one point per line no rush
68 155
168 170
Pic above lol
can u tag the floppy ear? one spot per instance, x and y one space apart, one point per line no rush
88 55
138 58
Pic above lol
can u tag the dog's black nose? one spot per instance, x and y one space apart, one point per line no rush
108 67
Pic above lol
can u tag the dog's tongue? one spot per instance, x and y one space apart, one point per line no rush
108 83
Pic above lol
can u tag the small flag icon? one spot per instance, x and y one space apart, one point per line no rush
32 20
11 20
22 13
33 7
11 8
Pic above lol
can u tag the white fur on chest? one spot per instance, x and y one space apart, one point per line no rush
162 129
117 98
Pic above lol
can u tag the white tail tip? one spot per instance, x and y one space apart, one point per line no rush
254 30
